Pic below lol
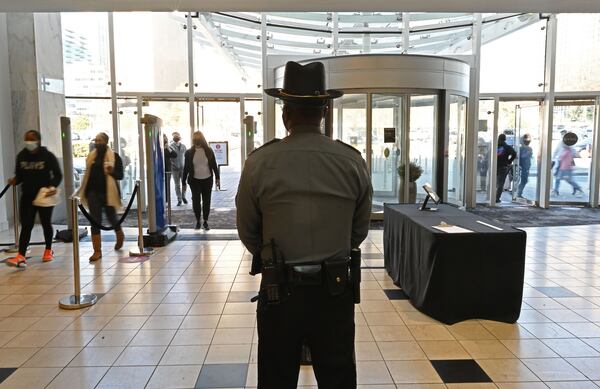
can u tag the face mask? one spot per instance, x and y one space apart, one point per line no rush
526 142
100 147
31 146
176 140
198 144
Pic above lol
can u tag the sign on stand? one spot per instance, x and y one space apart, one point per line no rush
221 150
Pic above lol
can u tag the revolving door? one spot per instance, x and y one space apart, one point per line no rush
406 115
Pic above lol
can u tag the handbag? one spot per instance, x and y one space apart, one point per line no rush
41 200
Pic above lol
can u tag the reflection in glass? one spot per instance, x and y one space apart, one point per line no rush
572 164
456 149
422 140
129 145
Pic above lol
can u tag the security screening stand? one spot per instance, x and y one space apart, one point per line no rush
140 250
77 300
15 248
170 225
159 234
67 149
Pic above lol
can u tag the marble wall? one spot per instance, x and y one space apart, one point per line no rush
36 81
7 147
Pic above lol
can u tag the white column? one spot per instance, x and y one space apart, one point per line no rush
405 32
473 118
113 82
548 112
191 82
335 33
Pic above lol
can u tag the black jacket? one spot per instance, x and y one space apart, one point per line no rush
169 155
188 166
37 170
506 155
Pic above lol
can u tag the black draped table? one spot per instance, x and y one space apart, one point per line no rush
455 276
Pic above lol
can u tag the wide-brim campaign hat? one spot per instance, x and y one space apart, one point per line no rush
304 84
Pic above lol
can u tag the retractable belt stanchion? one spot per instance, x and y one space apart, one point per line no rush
15 248
140 251
77 300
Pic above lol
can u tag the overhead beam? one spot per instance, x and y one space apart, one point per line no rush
554 6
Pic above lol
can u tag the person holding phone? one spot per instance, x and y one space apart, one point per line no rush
199 170
36 168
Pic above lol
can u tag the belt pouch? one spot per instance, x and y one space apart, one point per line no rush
336 274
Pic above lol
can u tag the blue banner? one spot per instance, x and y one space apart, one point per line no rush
159 179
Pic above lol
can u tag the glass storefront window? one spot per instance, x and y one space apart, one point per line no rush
254 108
151 51
515 62
129 144
456 149
86 54
578 52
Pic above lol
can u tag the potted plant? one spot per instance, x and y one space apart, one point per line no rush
414 173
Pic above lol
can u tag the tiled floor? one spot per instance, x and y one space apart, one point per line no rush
183 320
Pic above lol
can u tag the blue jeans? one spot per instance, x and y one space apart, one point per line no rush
566 175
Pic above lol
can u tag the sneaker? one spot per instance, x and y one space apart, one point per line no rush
184 200
48 255
179 203
18 261
498 201
205 225
197 225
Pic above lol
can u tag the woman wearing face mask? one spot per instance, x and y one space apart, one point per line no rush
199 167
99 190
36 168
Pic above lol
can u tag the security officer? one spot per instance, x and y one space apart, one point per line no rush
305 200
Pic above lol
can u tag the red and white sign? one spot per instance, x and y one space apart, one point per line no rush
221 150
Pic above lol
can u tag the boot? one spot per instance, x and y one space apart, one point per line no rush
97 244
120 238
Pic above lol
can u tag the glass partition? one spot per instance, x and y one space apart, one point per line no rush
129 144
350 121
485 133
387 116
457 129
422 150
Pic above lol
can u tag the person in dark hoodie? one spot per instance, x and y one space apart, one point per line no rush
36 168
506 155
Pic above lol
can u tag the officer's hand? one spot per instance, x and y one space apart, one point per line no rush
219 184
12 181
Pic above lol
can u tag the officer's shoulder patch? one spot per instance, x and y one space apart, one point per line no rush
272 141
348 146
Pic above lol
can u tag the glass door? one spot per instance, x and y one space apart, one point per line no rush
485 133
572 145
387 132
521 124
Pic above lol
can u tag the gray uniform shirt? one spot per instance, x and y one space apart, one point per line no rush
309 193
177 162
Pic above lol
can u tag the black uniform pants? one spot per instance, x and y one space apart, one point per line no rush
201 194
326 323
27 212
96 204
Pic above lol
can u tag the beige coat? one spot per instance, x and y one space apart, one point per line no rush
112 192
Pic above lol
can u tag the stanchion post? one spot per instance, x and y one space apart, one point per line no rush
76 300
15 248
168 188
140 251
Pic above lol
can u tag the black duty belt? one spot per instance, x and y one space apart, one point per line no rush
305 275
